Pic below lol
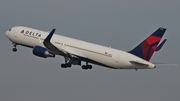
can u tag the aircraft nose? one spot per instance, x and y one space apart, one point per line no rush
7 33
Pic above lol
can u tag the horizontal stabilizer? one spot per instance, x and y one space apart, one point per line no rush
138 63
160 46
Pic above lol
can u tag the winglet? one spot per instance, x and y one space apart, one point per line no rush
47 42
48 38
160 46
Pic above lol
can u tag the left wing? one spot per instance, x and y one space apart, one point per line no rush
69 57
53 48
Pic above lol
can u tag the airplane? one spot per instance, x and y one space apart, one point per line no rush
75 52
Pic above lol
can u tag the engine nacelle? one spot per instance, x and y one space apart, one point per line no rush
42 52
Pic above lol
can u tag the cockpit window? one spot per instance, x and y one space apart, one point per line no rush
9 29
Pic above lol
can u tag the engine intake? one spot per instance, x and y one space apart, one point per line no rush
42 52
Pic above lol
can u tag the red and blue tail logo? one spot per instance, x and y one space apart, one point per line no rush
146 48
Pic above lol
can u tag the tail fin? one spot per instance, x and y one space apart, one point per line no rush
146 48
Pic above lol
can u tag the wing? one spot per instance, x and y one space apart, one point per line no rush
52 48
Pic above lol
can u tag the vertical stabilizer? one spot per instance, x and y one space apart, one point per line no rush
146 48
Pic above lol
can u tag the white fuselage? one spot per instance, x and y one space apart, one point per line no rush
104 56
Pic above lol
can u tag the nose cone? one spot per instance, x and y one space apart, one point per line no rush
7 33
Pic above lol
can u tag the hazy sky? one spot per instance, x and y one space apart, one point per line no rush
121 24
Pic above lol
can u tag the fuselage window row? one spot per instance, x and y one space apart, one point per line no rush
88 50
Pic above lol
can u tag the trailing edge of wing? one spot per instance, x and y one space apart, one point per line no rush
160 46
138 63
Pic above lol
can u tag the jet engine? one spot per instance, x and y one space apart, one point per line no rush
42 52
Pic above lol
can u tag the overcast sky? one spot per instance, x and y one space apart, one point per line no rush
121 24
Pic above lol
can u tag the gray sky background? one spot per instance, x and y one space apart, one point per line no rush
121 24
